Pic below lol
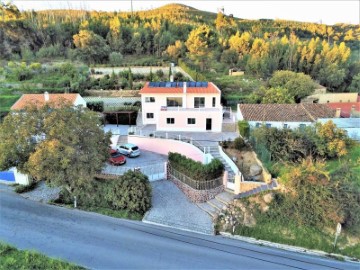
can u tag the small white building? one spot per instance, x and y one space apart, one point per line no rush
283 115
13 176
40 100
182 106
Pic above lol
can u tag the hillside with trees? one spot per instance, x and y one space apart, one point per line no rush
208 44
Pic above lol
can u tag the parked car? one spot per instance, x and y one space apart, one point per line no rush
129 149
116 158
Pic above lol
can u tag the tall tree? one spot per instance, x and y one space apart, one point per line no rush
59 144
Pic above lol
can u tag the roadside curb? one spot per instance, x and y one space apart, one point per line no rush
289 248
173 227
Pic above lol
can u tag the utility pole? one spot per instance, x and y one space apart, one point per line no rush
131 8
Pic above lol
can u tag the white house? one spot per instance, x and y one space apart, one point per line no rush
40 100
350 125
283 115
182 106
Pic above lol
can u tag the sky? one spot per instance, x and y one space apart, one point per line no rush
323 11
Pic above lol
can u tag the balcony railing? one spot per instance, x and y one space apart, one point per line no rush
172 109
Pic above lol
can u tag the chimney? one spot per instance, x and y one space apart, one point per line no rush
338 113
171 78
352 111
184 88
46 96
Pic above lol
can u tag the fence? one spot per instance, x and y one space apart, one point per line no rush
155 171
195 184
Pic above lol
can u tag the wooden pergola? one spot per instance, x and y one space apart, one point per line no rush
129 113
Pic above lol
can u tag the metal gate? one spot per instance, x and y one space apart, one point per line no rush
154 171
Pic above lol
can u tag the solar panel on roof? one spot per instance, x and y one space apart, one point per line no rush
191 84
180 84
162 84
204 84
151 84
197 84
168 84
173 84
156 84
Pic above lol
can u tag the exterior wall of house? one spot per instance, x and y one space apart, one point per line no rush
292 125
253 124
79 101
181 120
161 112
335 97
22 179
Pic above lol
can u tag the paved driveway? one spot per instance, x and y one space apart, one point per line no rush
151 164
170 207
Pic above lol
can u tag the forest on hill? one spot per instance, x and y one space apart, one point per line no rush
204 42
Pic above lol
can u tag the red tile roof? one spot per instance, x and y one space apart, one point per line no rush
210 89
345 107
39 100
303 112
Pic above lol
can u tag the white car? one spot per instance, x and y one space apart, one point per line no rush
129 149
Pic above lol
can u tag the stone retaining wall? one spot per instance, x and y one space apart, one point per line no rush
196 196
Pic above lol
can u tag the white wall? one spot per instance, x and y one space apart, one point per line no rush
80 101
291 125
22 179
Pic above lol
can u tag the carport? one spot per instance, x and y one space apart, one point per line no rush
117 113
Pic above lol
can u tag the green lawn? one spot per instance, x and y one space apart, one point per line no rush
352 159
302 236
12 258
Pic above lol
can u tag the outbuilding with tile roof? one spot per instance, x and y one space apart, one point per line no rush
283 115
54 100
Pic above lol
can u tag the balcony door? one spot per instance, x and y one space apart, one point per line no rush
208 123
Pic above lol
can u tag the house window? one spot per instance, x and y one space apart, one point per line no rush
191 121
257 125
213 101
302 126
286 126
174 102
149 99
150 115
268 125
199 102
170 121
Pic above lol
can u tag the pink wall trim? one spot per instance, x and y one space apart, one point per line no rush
164 146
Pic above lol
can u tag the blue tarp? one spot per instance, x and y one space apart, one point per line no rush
7 176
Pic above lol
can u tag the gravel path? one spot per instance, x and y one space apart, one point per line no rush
170 207
42 193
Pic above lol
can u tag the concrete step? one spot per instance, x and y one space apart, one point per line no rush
225 197
217 204
211 210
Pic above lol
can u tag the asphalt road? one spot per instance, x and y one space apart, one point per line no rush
102 242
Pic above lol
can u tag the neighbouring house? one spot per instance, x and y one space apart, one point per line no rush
182 106
350 125
40 100
283 115
346 104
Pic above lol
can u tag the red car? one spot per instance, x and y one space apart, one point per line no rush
116 158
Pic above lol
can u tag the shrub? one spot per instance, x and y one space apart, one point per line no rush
159 73
26 188
132 191
194 169
97 106
244 128
239 143
115 58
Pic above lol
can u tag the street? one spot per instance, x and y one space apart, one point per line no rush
101 242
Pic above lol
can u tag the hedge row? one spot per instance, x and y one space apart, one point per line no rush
194 169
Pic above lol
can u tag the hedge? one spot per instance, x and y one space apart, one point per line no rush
195 169
244 128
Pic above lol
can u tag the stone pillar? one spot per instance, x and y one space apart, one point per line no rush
225 179
237 184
